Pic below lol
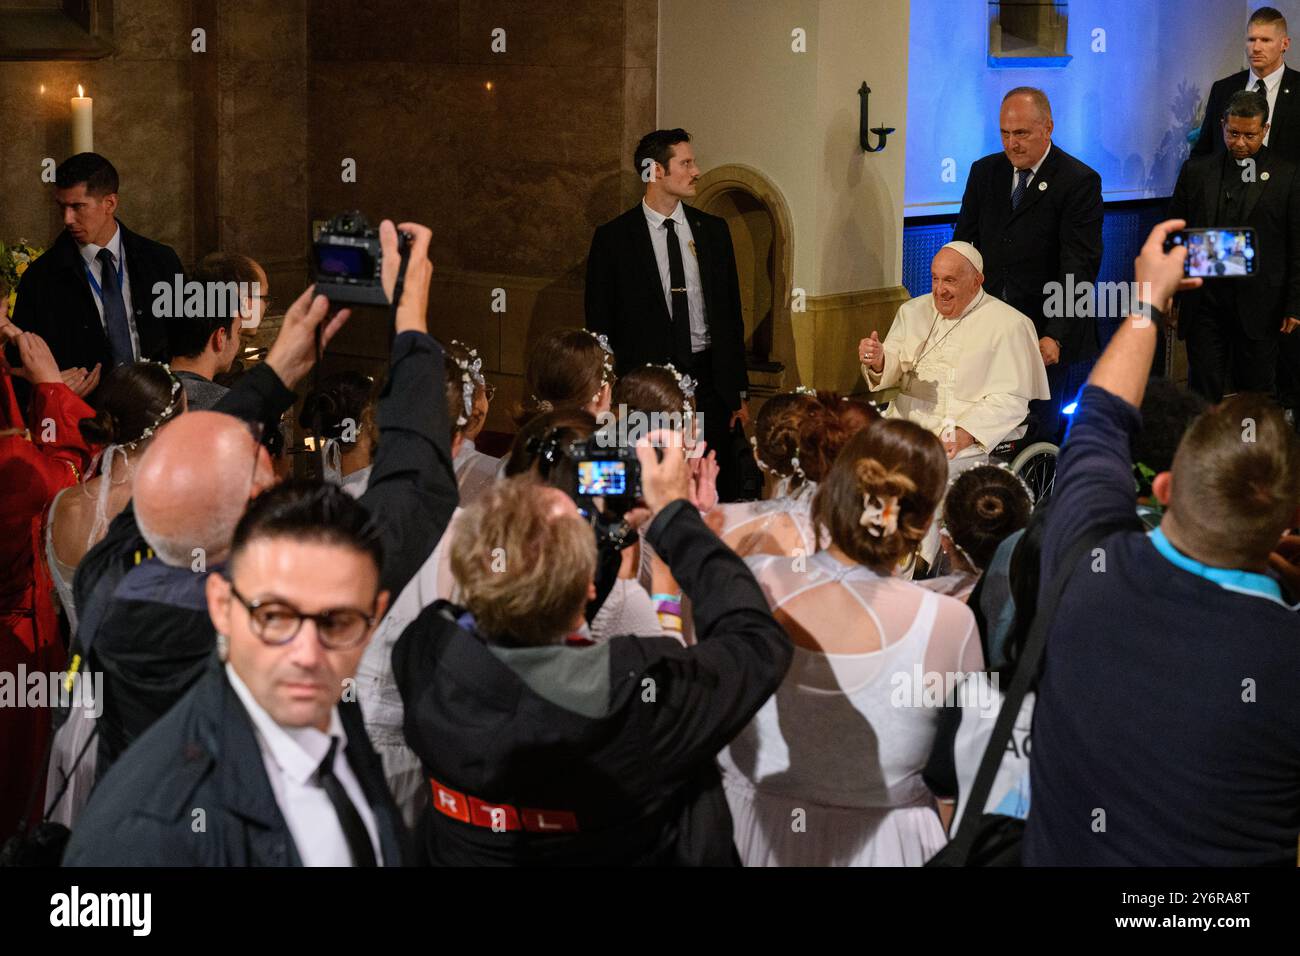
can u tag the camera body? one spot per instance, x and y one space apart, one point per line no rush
609 472
347 261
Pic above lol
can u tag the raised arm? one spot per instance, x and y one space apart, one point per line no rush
1094 476
412 489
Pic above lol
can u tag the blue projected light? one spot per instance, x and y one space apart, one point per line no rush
1070 409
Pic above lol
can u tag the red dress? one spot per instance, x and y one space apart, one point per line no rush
33 468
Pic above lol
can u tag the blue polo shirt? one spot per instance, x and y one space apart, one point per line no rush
1167 724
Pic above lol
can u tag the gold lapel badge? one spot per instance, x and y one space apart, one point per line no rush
691 243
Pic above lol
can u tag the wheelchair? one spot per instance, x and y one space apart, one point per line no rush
1031 458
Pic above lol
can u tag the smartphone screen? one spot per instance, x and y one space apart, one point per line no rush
607 478
1216 253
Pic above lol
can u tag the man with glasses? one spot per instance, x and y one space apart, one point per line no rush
265 762
1234 328
1034 212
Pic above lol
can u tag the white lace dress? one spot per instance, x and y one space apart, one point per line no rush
828 773
780 525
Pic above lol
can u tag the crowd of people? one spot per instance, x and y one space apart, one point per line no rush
787 641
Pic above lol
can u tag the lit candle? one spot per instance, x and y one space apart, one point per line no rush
83 126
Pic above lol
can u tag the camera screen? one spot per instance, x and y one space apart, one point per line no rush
1217 253
607 478
348 262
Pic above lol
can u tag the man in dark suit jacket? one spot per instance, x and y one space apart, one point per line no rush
1035 212
91 314
261 763
662 301
1266 45
1237 324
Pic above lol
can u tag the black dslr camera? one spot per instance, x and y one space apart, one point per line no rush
601 471
348 260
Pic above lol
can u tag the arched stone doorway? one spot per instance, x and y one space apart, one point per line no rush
762 234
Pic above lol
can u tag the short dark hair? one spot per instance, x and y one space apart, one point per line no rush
187 336
1268 15
1167 410
1236 479
313 511
658 146
90 168
1246 104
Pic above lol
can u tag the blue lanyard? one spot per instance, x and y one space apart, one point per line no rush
90 274
1243 582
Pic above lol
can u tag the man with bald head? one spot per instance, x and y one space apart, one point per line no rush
143 588
1035 213
966 365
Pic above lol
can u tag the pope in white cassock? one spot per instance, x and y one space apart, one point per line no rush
967 363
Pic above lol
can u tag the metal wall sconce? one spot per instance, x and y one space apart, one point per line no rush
865 128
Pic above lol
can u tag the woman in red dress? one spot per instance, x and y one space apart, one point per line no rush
39 456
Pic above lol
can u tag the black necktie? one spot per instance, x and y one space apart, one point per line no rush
681 306
354 830
1022 184
1259 87
115 321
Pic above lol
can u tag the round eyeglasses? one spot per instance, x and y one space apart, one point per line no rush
278 622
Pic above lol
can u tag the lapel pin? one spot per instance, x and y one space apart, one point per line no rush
692 247
1042 187
1264 176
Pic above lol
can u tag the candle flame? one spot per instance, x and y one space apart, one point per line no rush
42 87
79 91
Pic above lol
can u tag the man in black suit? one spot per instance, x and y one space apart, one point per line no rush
1237 324
662 285
1035 212
262 763
90 296
1266 45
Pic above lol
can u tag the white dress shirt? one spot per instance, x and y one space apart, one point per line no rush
1033 170
291 756
89 254
690 265
1272 83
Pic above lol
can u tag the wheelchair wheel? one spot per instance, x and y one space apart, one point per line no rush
1036 466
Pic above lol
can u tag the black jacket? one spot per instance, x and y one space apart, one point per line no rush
625 297
1054 234
55 300
618 739
1283 138
1272 207
204 756
145 626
